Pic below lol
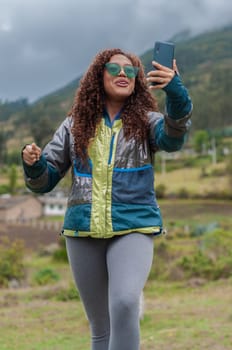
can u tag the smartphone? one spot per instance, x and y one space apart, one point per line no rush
164 53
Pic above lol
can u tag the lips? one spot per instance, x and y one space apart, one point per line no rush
122 83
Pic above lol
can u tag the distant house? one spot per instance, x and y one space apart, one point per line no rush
19 208
54 205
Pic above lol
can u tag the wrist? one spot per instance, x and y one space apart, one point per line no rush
175 87
36 169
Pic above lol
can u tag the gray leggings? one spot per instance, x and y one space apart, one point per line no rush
110 275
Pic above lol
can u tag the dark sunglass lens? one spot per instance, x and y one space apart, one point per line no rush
113 68
131 71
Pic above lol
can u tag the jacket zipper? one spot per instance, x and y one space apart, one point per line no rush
111 148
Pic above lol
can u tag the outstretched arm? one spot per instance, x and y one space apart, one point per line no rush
168 132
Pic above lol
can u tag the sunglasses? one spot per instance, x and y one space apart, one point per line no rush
114 69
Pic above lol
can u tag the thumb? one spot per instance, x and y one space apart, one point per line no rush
34 146
175 68
36 150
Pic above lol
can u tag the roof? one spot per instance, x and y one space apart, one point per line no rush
7 202
53 200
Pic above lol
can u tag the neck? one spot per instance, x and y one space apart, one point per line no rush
113 107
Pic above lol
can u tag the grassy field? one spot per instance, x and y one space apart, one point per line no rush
177 316
191 179
189 314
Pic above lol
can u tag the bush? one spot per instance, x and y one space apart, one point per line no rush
46 276
68 294
160 191
218 172
163 256
198 265
4 189
58 292
213 258
207 255
201 265
200 230
11 261
60 254
183 193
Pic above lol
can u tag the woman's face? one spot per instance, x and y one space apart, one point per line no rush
118 87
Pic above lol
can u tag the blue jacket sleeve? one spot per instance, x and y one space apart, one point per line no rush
178 102
44 174
169 131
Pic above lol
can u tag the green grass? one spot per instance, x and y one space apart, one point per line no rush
177 316
188 317
43 325
189 314
191 179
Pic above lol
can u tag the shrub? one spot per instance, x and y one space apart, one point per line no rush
212 259
189 162
218 172
60 254
208 257
160 191
68 294
46 276
183 193
58 292
4 189
11 261
198 265
162 257
200 230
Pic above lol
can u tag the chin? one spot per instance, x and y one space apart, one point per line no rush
121 98
123 94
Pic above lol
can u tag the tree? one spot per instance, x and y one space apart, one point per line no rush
13 177
3 140
200 141
42 130
229 171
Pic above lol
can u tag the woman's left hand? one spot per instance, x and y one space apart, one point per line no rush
161 75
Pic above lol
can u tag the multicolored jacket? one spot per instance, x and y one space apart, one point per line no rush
114 194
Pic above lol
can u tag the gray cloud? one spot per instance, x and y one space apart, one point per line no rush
45 44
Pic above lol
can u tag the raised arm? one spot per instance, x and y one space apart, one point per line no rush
168 131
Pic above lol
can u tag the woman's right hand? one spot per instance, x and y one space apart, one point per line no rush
31 153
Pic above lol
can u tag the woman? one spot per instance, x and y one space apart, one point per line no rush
109 139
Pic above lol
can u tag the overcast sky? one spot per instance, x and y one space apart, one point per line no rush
45 44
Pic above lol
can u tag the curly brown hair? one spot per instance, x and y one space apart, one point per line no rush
88 106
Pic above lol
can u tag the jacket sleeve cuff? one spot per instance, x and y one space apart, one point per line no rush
178 103
35 170
174 87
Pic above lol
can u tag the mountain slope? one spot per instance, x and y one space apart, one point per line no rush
205 65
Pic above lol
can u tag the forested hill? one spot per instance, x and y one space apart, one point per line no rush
205 65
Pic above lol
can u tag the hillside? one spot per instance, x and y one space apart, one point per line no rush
205 65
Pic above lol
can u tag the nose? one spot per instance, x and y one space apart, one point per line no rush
122 73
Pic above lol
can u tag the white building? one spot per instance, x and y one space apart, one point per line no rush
54 205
